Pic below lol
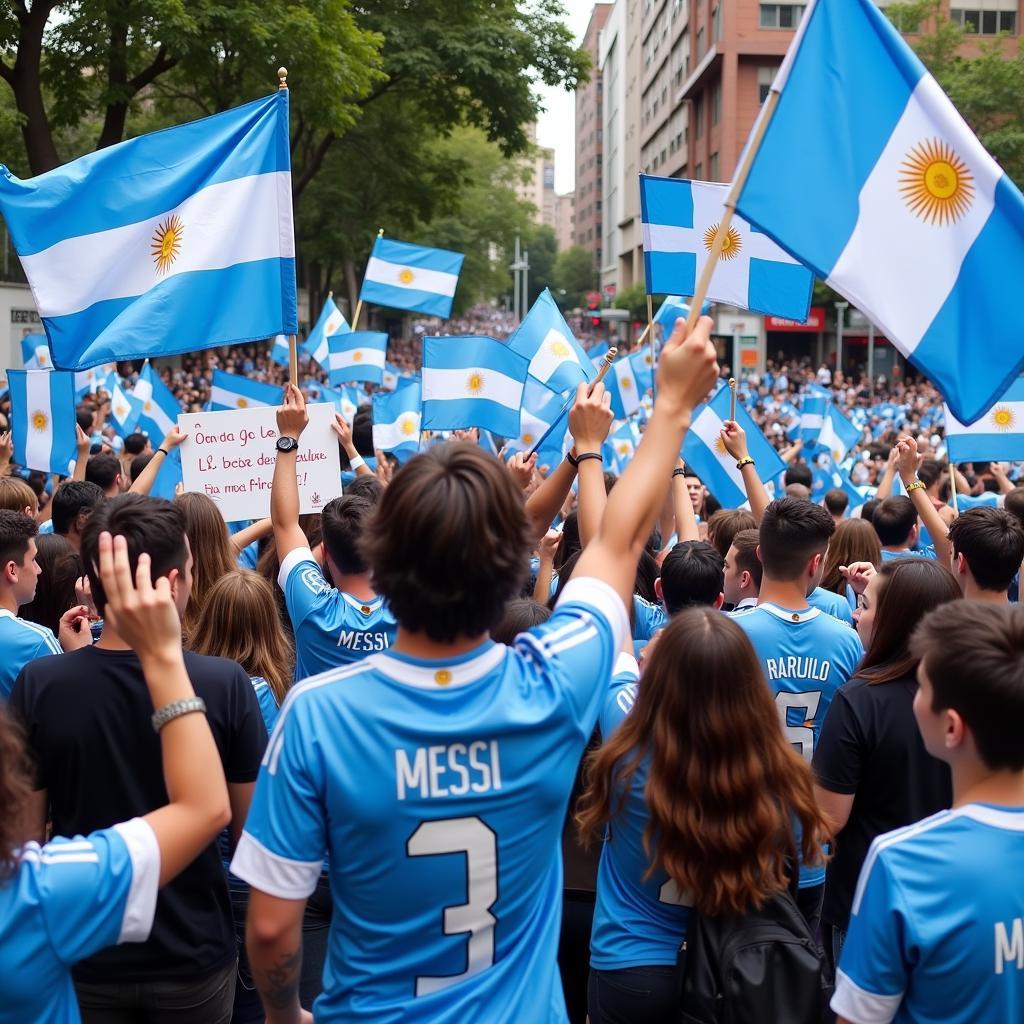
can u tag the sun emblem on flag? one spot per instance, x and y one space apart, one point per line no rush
730 246
408 426
1002 418
527 438
935 183
41 358
121 412
167 243
40 421
475 383
357 356
405 275
623 449
626 384
242 403
719 446
560 349
147 406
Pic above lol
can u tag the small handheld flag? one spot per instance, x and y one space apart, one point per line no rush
160 408
629 380
396 420
125 409
412 277
230 391
556 358
357 356
35 354
328 323
43 419
996 436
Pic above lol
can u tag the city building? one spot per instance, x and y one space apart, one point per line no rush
565 220
538 184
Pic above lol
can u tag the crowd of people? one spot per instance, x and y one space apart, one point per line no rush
477 743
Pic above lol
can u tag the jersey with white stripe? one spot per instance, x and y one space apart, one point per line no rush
806 656
68 900
331 627
439 789
937 929
832 604
21 641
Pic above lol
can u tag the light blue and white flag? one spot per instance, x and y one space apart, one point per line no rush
629 379
279 351
396 420
331 321
813 407
125 408
671 309
43 420
230 391
997 436
541 408
680 221
357 356
168 476
556 358
413 277
837 434
88 382
623 440
869 175
35 353
392 375
597 353
826 475
704 450
160 408
134 248
472 382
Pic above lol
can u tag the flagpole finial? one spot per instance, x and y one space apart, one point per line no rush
330 294
282 78
380 232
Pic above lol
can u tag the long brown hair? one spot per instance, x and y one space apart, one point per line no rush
212 555
239 621
15 790
723 784
855 540
909 589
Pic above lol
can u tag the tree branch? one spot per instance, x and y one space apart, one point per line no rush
7 73
298 187
160 63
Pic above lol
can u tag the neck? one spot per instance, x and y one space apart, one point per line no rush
787 593
356 584
972 592
7 601
905 546
973 783
419 645
110 640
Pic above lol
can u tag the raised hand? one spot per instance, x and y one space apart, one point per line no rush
174 437
857 575
688 367
73 631
906 458
590 418
521 467
291 416
734 437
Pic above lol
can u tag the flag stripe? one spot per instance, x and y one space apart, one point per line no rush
367 357
448 384
388 436
436 282
38 443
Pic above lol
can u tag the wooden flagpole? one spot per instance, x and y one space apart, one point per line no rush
650 339
293 353
952 486
359 301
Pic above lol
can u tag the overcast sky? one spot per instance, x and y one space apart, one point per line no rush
556 127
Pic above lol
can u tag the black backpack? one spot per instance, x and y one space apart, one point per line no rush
762 967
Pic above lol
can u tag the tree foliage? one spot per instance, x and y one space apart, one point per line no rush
542 245
575 275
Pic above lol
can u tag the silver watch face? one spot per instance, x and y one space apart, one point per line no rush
286 444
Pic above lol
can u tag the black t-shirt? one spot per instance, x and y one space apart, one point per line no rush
87 718
870 746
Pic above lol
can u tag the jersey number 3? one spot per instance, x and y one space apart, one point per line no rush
469 836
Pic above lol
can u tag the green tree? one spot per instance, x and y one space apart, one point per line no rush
633 298
543 248
574 275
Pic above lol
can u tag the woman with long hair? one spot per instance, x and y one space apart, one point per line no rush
855 540
701 802
213 555
60 567
872 771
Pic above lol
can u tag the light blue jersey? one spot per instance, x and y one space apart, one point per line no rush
21 642
331 627
806 656
832 604
647 618
68 900
926 552
439 789
937 930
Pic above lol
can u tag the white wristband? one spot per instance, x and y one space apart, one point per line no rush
356 461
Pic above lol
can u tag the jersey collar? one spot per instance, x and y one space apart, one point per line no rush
789 614
440 675
1011 819
364 606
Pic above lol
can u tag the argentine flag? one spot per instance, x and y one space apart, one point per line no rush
396 420
43 420
229 391
35 354
125 409
357 356
556 358
130 248
412 277
672 307
623 441
837 434
541 408
680 222
869 175
996 436
628 381
160 408
331 321
813 407
704 450
472 382
279 351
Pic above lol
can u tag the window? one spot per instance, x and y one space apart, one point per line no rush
781 15
716 103
987 17
765 77
713 167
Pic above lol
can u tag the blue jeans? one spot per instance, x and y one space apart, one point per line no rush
634 995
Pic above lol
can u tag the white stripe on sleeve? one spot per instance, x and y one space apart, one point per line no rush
140 906
859 1006
270 873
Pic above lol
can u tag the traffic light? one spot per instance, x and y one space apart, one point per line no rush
594 306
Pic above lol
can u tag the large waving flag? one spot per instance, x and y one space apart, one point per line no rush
680 222
125 409
630 378
413 277
996 436
134 248
396 420
331 321
472 382
43 419
869 175
357 356
160 408
705 453
229 391
556 358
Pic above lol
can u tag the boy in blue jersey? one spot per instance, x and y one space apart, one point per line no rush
436 774
22 641
937 930
806 654
336 614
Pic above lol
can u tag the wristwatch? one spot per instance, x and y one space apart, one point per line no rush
286 444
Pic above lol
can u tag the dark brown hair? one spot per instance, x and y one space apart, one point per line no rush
745 542
855 540
725 524
792 531
992 543
910 588
722 782
894 519
973 653
449 544
15 790
60 568
212 554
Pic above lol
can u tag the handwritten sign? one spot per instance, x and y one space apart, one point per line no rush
230 457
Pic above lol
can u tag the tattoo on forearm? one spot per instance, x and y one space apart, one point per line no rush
279 984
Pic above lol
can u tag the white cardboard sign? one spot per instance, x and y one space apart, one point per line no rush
230 457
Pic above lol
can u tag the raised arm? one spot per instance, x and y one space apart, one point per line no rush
885 487
546 502
284 492
686 518
256 531
82 446
734 437
686 373
589 420
907 460
145 480
343 429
